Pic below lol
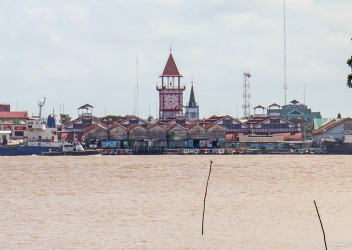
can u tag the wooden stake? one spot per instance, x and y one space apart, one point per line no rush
321 224
205 196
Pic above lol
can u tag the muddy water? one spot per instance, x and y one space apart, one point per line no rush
156 202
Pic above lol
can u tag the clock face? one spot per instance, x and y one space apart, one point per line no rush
171 102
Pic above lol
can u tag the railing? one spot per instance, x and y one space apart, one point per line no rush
86 115
170 87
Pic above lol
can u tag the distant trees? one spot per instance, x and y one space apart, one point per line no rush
109 119
65 119
349 77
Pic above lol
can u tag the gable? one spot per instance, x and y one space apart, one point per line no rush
157 129
138 129
80 121
179 121
272 121
177 128
196 128
217 127
295 112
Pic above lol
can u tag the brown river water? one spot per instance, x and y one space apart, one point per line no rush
156 202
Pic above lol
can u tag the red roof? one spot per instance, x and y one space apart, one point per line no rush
171 126
133 126
290 136
150 126
171 68
19 114
92 127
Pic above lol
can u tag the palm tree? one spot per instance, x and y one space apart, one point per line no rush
349 77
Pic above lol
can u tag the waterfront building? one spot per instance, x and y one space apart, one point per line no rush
170 91
233 125
336 130
298 110
176 136
74 129
216 134
129 120
196 136
95 132
137 135
192 108
157 135
268 125
12 123
118 136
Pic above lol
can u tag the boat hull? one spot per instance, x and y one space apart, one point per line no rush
25 150
71 153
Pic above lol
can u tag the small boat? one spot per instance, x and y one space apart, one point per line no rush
72 149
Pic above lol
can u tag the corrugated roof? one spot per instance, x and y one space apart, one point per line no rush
259 107
330 125
319 122
13 114
274 105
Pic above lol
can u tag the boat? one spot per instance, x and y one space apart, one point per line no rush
72 149
41 136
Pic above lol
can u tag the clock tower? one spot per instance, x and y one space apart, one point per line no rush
170 91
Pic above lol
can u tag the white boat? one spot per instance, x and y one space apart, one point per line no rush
72 149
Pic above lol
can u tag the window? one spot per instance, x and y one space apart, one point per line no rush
19 133
228 122
275 121
180 122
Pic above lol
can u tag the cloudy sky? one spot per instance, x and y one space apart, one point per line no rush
85 51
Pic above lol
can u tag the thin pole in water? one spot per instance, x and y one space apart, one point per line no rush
321 224
205 196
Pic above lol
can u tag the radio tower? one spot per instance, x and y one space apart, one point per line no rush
285 84
246 95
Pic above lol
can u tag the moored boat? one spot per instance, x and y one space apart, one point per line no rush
41 136
72 149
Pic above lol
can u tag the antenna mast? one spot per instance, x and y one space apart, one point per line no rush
137 86
41 104
285 85
246 95
304 94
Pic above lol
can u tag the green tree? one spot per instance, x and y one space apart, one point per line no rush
349 77
65 119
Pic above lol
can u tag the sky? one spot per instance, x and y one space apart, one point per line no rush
86 51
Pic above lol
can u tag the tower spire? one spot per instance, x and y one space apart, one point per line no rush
192 100
192 109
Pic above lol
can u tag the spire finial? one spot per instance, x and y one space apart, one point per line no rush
170 48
